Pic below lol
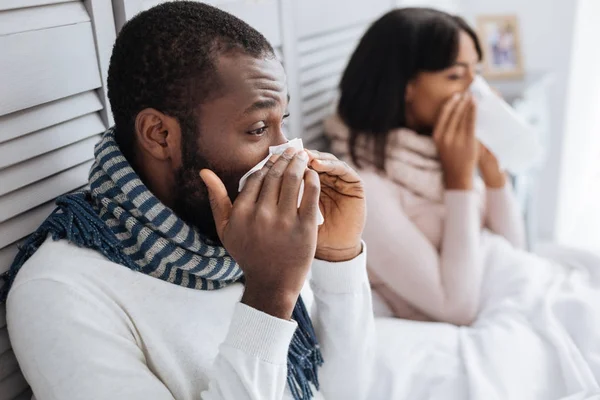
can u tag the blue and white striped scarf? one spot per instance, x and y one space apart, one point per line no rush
123 220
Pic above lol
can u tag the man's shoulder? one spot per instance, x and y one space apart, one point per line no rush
61 262
62 281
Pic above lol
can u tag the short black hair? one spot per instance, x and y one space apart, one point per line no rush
393 51
164 58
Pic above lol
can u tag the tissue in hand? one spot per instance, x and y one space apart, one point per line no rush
278 150
502 130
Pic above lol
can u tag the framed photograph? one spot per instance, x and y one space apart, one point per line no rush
499 36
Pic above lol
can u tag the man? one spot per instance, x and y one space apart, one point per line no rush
136 295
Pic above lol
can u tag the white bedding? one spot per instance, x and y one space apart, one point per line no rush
537 336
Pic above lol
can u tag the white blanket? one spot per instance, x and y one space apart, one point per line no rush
537 336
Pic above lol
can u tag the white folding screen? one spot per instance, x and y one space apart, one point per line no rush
53 105
322 59
326 33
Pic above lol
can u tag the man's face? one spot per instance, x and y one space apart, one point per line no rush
234 132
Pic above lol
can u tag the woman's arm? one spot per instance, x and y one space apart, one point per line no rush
444 286
503 215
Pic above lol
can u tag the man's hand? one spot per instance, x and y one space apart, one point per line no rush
342 202
272 240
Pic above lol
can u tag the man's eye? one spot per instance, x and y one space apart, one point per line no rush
258 132
455 77
285 120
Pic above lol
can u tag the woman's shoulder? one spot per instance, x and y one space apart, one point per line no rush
371 176
380 189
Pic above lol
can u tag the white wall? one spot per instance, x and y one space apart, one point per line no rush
546 36
579 210
451 6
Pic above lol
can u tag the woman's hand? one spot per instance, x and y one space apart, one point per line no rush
454 135
492 174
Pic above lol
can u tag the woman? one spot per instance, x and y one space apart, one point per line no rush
408 126
446 246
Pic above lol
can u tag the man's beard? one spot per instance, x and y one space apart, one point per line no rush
192 203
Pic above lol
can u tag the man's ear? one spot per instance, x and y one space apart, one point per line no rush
158 135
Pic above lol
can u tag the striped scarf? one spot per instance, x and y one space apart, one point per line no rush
123 220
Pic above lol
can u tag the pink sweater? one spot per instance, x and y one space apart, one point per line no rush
424 259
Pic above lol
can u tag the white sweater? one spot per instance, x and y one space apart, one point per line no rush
83 327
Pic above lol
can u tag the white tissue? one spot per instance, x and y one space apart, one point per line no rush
512 140
278 150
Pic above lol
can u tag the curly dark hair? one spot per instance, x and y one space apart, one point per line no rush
164 58
393 51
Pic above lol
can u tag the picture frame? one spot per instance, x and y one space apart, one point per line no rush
501 46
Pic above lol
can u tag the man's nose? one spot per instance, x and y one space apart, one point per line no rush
279 138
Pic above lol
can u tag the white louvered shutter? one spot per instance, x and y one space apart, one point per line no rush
53 67
326 33
323 58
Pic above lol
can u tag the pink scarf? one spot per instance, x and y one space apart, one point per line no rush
411 160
